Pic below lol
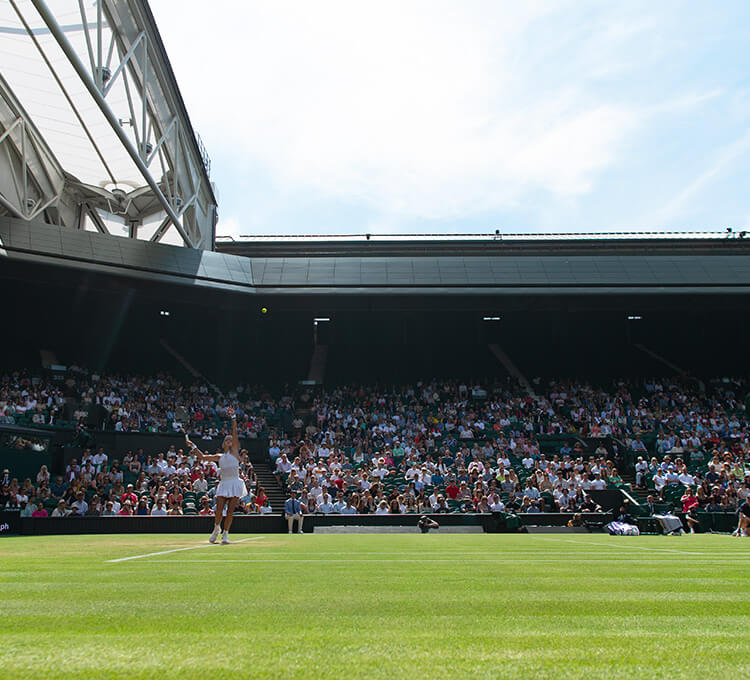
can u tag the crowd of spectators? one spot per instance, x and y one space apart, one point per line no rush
440 446
170 483
442 449
136 404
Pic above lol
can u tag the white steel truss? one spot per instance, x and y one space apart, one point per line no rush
140 164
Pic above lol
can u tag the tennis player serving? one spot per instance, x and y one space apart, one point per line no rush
231 488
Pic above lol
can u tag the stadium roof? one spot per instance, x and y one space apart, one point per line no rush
494 236
426 268
87 91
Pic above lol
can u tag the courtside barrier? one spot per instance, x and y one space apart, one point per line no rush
270 524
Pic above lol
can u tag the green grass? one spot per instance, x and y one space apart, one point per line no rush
376 606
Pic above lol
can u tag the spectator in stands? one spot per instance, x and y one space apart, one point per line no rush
206 508
27 508
80 505
42 477
660 483
60 510
129 495
283 467
159 508
325 507
265 508
95 507
340 502
689 500
348 508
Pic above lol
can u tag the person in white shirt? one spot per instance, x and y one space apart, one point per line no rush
382 508
340 503
348 509
659 481
564 500
159 509
325 506
80 504
99 460
495 503
531 491
672 477
60 509
265 509
504 460
598 483
316 490
283 466
380 471
686 478
274 450
641 468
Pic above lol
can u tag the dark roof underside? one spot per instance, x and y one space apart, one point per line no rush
491 268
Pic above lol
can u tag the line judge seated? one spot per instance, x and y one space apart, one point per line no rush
294 510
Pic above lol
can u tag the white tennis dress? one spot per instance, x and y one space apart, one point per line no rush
230 486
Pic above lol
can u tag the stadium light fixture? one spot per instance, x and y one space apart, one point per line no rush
163 312
635 317
321 319
490 318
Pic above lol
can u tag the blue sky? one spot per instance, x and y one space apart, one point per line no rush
442 117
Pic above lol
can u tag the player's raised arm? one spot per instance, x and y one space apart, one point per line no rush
235 438
199 454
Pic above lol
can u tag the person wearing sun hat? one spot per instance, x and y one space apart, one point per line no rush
127 509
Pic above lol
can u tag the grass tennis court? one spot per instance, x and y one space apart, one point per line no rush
375 606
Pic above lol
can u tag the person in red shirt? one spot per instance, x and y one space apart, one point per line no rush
452 490
260 496
127 508
689 500
129 496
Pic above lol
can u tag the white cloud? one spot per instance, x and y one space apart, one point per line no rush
419 109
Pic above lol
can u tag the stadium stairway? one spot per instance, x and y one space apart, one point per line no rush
501 355
317 369
267 480
636 492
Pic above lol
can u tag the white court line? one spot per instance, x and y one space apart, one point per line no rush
507 555
174 550
635 547
499 560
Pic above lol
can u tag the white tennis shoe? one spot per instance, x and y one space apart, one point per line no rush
214 534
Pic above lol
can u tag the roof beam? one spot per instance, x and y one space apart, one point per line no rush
59 35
